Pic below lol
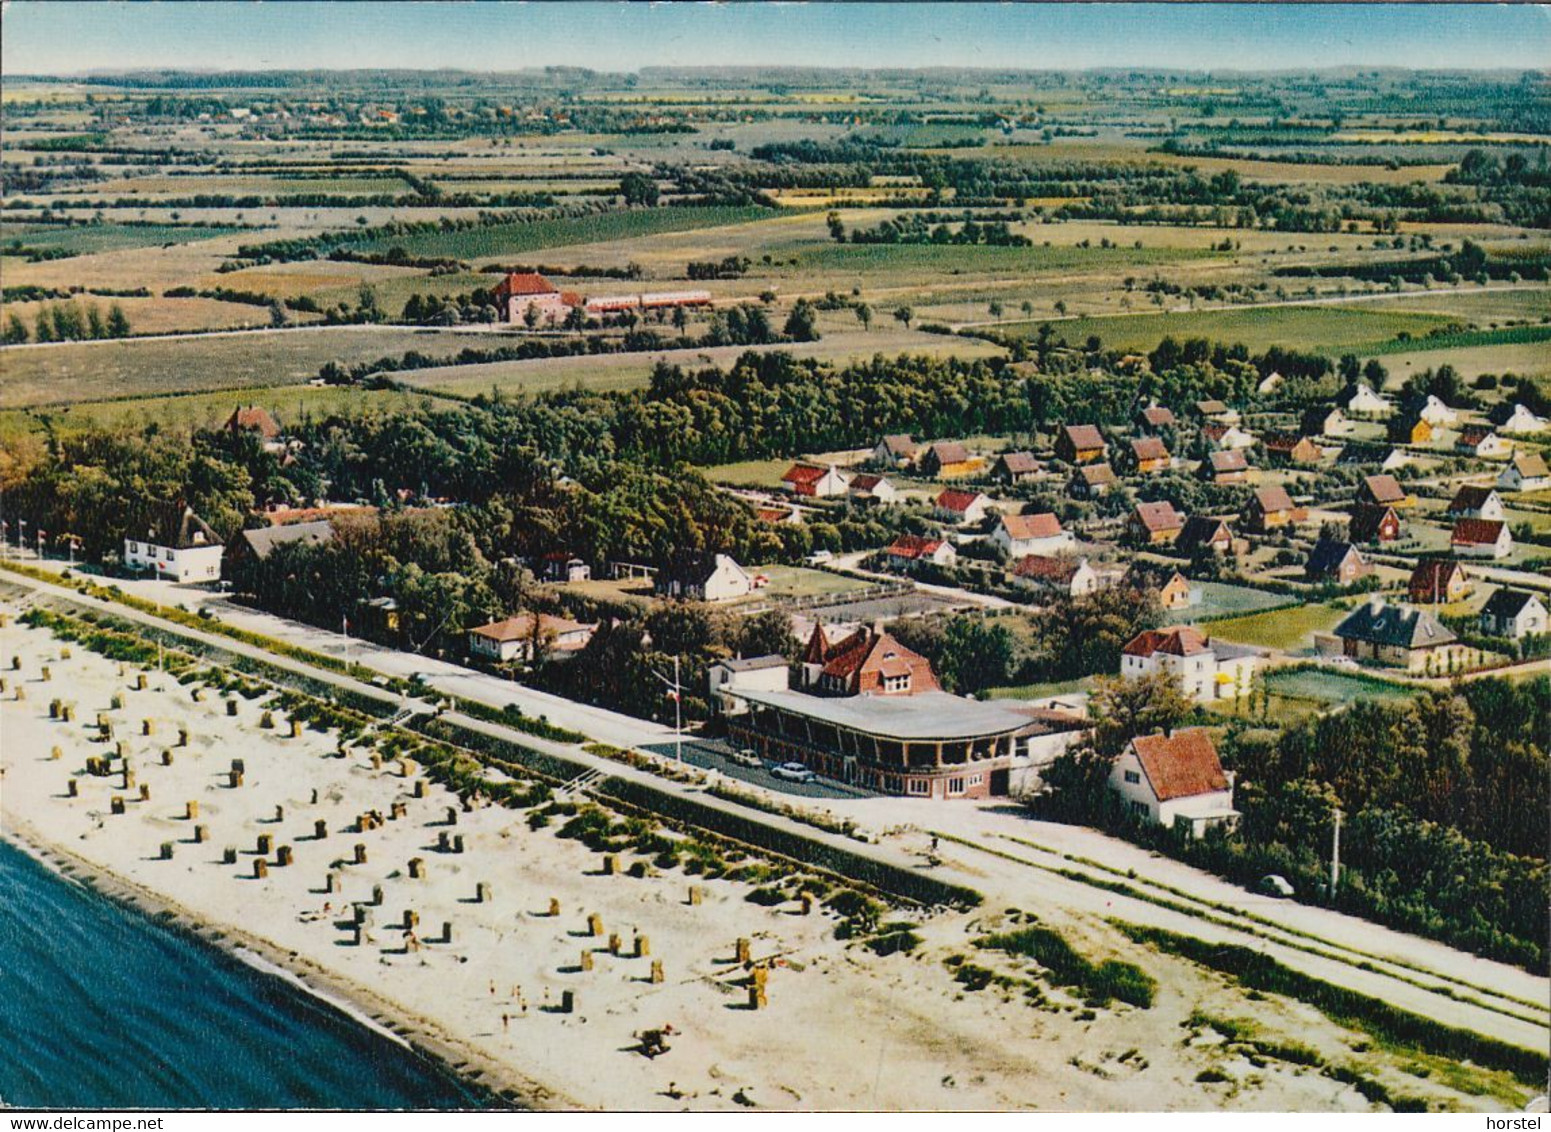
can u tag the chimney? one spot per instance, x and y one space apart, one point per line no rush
1375 601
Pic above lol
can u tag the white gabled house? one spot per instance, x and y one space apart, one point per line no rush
697 576
174 543
1514 614
1525 472
1521 421
1021 535
1363 401
1207 670
1436 413
1173 778
522 637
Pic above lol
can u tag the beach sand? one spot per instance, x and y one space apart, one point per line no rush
843 1029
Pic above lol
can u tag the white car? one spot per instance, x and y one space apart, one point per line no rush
747 757
793 772
819 557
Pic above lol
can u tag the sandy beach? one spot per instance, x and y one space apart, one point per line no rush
462 957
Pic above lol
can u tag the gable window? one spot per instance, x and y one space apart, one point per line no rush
1133 778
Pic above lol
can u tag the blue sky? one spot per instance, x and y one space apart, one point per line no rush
64 36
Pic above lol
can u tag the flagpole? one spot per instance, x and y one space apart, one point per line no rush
678 713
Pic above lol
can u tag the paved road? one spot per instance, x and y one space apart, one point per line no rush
714 754
1012 861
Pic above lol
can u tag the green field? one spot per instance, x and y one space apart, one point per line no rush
1506 336
1219 599
1330 687
85 239
1319 328
748 473
499 240
137 367
930 259
1280 628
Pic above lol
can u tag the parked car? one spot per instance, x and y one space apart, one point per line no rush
747 757
1275 885
819 557
793 772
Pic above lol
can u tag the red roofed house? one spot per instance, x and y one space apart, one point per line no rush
1269 508
907 550
253 417
1150 455
1069 575
961 506
1481 538
1207 670
1175 778
1438 580
871 488
518 638
1156 523
522 290
868 662
814 480
1080 444
1372 522
1031 534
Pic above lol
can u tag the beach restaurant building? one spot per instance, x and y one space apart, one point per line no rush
904 736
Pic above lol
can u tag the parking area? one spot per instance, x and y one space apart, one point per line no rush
715 754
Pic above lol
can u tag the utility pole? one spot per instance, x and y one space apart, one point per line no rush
1335 855
676 693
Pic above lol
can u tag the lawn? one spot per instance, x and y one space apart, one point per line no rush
1330 687
1320 328
1041 691
800 581
748 473
1286 629
501 240
1218 599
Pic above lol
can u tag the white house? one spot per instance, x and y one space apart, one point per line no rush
1473 502
1269 384
515 638
961 506
1481 538
1365 402
819 481
1175 778
1227 437
1483 443
871 488
756 673
1073 576
1436 413
1513 613
1019 535
1525 472
1207 670
908 550
696 576
1521 421
174 543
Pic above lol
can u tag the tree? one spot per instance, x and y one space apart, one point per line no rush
977 653
638 188
118 324
767 634
1124 707
996 310
15 330
801 323
904 315
864 315
1061 307
277 314
530 317
1027 308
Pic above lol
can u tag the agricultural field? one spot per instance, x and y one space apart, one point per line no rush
87 239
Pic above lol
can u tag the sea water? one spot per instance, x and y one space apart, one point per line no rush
102 1007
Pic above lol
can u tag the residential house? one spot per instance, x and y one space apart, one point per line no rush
908 550
1399 635
815 480
1156 417
1411 429
1286 448
1224 467
1062 573
1482 443
1361 401
948 460
1092 480
258 544
253 418
564 568
1156 524
1373 523
1019 535
174 543
1080 444
1207 670
1175 592
1481 538
1227 437
521 292
1322 420
896 451
1384 490
1435 412
1269 508
695 575
519 639
1214 410
777 515
1203 533
1386 456
1175 779
869 488
1149 455
1513 613
1270 383
867 662
1473 502
962 507
1525 472
1014 467
1519 420
1436 581
1332 560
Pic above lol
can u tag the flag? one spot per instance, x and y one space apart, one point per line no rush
673 696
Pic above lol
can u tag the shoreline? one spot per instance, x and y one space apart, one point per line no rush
504 1089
